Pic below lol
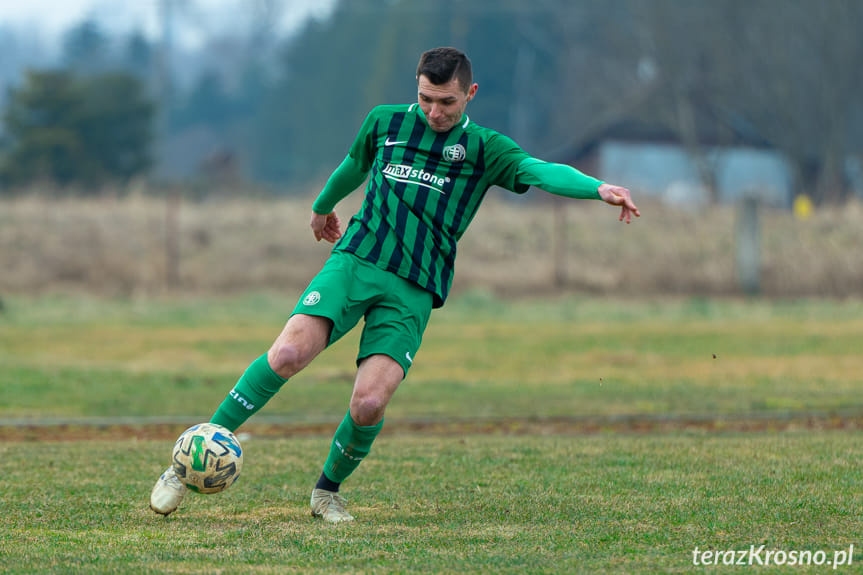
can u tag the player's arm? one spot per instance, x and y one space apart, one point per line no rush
566 181
345 179
349 176
558 179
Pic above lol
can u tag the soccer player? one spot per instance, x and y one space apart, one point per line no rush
430 167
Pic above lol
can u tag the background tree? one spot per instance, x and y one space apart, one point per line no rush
793 76
553 74
334 72
87 48
40 125
138 56
77 130
116 126
207 104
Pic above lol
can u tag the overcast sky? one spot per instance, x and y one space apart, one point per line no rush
194 19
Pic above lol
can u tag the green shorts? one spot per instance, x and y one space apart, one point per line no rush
396 310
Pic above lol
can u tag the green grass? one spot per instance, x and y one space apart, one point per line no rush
478 504
480 358
453 501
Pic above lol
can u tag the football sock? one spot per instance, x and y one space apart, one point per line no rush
253 390
350 445
325 483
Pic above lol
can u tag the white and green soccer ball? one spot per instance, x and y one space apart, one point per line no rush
207 458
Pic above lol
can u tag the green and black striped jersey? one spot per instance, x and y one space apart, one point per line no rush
424 189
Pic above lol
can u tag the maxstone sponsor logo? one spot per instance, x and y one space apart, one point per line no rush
410 175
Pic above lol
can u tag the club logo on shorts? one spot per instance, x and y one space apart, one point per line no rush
312 298
455 153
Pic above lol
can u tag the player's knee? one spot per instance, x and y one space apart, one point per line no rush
367 409
286 359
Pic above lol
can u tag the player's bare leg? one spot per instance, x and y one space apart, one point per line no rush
377 379
301 340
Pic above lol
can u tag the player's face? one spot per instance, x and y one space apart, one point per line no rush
443 104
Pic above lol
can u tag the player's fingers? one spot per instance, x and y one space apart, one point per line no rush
629 206
333 230
316 227
627 215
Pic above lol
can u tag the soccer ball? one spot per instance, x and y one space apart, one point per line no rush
207 458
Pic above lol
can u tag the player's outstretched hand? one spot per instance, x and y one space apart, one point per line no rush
619 196
326 226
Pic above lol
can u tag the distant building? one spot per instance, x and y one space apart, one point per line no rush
631 146
668 171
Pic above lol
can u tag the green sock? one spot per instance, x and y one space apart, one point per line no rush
351 444
254 389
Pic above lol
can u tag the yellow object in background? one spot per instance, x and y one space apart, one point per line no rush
803 207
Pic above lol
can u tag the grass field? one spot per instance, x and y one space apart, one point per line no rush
475 504
574 435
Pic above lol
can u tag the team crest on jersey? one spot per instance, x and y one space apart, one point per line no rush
454 153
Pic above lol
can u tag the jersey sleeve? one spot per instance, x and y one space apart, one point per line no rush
503 156
364 148
353 170
558 179
344 180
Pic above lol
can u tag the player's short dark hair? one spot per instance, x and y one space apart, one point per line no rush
441 65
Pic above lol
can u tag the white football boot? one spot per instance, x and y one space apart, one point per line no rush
330 506
168 493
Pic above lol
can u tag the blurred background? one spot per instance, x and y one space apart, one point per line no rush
176 145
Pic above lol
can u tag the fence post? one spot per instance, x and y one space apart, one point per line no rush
748 246
172 239
558 242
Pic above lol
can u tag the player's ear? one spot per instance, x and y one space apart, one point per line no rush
471 92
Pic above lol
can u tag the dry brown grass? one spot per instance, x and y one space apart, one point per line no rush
118 247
